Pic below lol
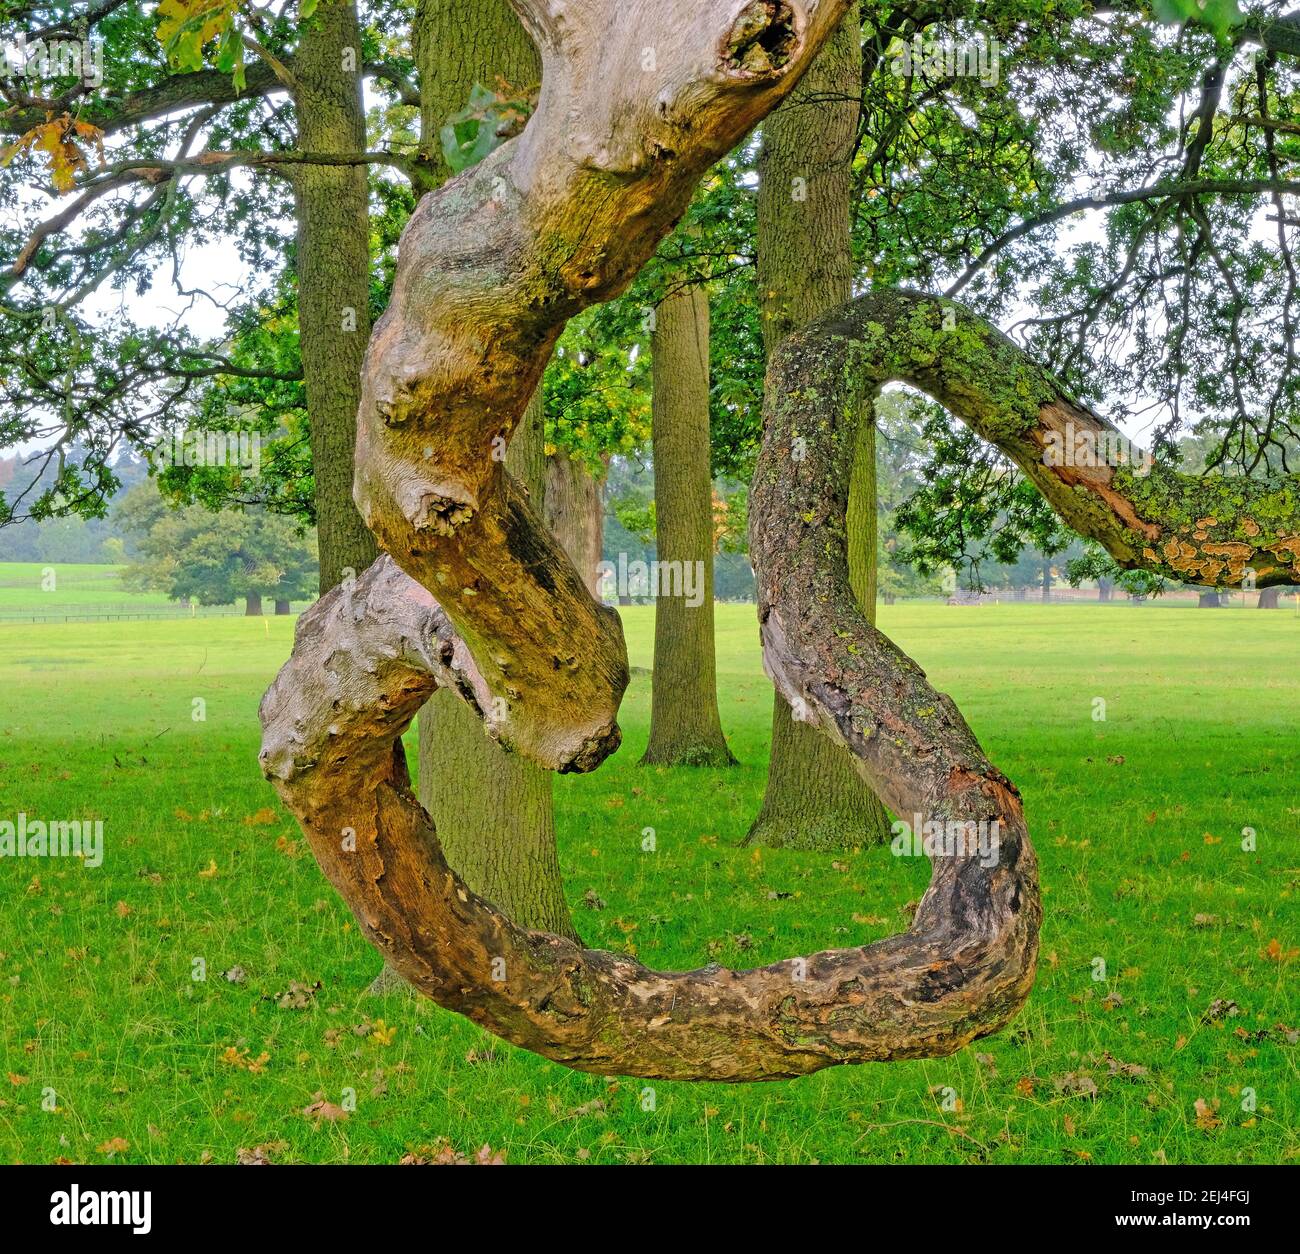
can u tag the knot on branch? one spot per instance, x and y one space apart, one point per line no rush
762 40
437 509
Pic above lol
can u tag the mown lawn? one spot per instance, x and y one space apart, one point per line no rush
38 593
1137 820
49 588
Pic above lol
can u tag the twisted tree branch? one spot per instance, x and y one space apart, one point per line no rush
485 603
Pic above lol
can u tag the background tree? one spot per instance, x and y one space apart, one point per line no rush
685 727
332 255
64 537
1271 598
192 553
575 508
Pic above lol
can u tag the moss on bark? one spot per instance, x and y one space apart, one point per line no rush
814 797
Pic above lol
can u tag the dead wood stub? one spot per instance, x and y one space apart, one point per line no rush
763 39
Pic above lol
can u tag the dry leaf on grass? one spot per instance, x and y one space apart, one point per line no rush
443 1154
320 1110
1275 953
1220 1008
1207 1118
1076 1084
297 996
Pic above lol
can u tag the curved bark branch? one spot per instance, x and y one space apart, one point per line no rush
366 658
490 268
1220 530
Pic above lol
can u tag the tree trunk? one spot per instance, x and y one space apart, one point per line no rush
333 260
1105 589
1269 599
575 512
1209 600
815 799
685 727
281 606
253 605
493 810
1047 582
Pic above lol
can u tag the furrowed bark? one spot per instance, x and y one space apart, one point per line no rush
814 799
457 45
575 513
685 726
333 262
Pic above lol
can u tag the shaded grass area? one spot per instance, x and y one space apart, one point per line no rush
1138 822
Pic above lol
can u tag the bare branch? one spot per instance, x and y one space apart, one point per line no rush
1159 191
154 170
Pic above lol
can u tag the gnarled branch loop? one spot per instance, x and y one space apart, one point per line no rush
476 595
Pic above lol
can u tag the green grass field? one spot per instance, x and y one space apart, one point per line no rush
42 592
1137 821
45 588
